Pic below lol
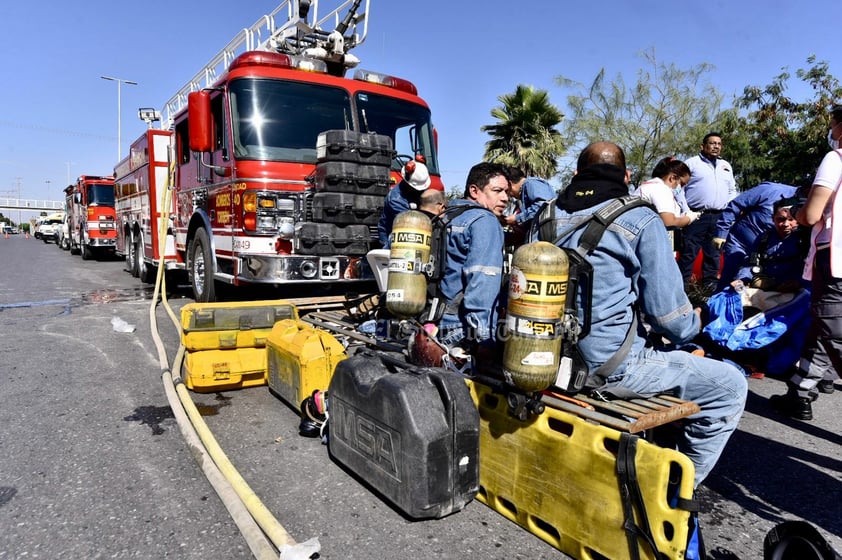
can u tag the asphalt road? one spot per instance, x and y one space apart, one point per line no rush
93 465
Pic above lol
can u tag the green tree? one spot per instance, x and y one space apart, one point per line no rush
784 140
525 134
666 112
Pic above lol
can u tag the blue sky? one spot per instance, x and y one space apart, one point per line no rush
59 118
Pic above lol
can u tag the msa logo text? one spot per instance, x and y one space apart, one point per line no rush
365 436
536 287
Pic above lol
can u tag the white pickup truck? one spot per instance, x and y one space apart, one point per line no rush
50 226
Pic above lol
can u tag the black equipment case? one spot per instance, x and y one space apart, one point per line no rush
346 177
411 433
346 208
355 147
332 239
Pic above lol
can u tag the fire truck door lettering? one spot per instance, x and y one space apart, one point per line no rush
223 200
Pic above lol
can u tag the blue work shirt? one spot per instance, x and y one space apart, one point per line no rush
397 201
633 264
712 185
533 193
474 268
750 213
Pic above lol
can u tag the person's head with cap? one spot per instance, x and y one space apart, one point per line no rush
416 175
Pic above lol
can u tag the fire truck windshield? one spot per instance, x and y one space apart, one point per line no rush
408 124
281 121
100 195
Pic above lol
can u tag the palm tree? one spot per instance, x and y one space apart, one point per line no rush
525 135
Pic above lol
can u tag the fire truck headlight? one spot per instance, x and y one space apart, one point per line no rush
265 222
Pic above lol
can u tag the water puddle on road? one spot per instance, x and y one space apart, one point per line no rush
213 409
118 295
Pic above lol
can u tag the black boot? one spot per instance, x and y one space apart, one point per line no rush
826 386
792 405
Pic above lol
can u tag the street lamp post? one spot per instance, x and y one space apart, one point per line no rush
68 164
119 81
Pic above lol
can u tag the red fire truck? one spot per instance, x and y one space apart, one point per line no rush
139 185
90 210
254 199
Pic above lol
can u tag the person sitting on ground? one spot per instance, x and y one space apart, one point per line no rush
742 221
668 178
775 259
745 317
634 271
403 196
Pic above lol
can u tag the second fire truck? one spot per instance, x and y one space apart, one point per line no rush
90 216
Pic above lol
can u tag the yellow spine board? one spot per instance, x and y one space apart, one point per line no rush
219 326
221 370
301 359
556 477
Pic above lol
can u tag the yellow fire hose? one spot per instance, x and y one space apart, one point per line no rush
256 523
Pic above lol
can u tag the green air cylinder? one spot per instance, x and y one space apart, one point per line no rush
537 292
406 288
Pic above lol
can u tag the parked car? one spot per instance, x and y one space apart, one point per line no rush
49 227
36 230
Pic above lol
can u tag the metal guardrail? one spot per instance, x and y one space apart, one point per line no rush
30 204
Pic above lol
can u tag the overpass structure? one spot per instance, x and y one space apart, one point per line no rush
31 205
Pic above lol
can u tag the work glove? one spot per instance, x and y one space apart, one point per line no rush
693 216
718 242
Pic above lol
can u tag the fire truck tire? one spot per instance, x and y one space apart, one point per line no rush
201 268
145 272
131 255
87 253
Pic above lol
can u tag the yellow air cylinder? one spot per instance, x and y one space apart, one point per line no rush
537 293
406 288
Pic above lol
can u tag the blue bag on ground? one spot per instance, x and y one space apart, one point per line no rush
780 329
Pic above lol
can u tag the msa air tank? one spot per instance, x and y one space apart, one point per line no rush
537 294
406 289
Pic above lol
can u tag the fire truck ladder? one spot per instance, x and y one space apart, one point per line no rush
292 35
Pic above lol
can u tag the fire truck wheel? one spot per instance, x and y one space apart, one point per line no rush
145 272
87 254
201 268
131 255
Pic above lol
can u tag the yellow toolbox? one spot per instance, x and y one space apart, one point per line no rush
301 359
207 371
220 326
555 475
